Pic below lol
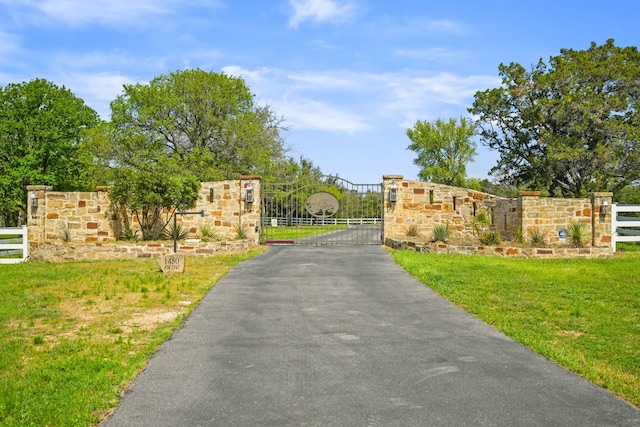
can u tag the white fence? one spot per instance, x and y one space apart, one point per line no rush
283 221
12 246
621 231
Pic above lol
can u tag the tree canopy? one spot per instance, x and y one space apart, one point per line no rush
570 126
41 126
443 149
207 121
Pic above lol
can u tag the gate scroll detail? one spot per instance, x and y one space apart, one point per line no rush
321 210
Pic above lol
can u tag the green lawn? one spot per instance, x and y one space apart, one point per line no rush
582 313
298 232
8 238
74 335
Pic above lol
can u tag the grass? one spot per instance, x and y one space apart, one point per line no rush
297 232
582 313
10 253
74 335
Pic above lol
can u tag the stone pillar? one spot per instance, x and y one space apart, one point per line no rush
249 212
37 212
392 211
528 209
601 219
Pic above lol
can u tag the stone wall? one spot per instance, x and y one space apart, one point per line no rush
81 251
550 215
90 217
423 205
507 251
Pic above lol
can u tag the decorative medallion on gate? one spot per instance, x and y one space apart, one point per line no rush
322 205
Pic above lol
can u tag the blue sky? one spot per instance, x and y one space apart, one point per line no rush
348 76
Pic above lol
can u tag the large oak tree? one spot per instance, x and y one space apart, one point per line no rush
181 128
570 126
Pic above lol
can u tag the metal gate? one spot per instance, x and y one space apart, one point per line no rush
321 210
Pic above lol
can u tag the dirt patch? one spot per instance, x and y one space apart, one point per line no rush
572 334
150 319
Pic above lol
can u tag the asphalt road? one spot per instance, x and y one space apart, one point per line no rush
354 235
342 336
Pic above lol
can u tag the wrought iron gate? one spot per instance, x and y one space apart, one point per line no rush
321 210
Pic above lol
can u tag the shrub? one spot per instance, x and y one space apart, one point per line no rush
411 231
480 223
491 238
440 233
208 234
519 236
578 233
242 232
179 232
130 235
64 233
536 237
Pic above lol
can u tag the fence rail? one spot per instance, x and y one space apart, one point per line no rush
624 228
284 221
13 249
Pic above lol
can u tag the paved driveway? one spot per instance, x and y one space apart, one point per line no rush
342 336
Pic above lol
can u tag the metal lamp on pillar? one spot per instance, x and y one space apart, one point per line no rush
393 192
34 199
248 197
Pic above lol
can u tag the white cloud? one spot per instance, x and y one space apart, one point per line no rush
321 11
9 43
438 54
250 76
414 97
283 91
316 115
92 60
445 26
83 12
96 89
316 100
321 81
429 27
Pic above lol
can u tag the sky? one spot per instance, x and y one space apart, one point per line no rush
349 77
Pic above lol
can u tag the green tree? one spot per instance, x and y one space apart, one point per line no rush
208 121
630 195
144 178
443 149
181 128
153 192
569 127
41 126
